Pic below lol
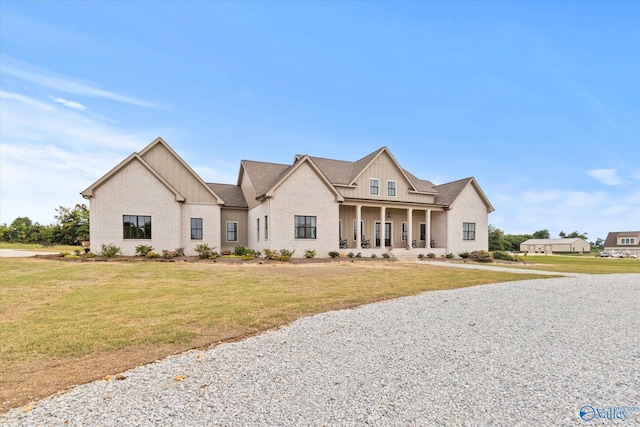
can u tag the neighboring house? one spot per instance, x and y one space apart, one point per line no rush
549 246
153 197
625 242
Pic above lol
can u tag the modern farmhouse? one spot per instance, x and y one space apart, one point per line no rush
371 205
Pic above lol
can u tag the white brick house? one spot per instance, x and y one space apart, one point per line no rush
153 197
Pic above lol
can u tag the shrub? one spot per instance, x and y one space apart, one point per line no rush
374 256
143 250
385 255
285 254
450 256
240 251
204 251
168 254
334 254
359 255
309 253
179 252
420 256
270 254
350 255
431 255
152 255
464 255
503 256
77 252
480 256
109 251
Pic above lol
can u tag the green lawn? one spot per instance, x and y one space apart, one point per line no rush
64 323
588 263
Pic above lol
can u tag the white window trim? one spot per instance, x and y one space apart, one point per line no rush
395 188
372 179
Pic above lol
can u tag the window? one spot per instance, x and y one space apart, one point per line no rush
196 228
405 231
468 231
258 229
232 231
136 227
423 231
374 186
305 227
355 229
266 228
627 241
391 188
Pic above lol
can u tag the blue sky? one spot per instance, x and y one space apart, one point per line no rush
540 101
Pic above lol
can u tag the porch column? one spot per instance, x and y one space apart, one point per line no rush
358 231
428 229
410 226
382 215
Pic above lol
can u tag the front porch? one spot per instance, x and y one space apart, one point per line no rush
386 226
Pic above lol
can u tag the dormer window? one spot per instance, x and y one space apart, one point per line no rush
374 186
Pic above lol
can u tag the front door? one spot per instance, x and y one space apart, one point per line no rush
387 234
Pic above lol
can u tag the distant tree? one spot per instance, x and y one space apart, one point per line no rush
514 241
598 244
576 235
72 226
497 241
542 234
562 234
22 230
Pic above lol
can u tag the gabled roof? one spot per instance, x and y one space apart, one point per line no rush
162 142
231 195
263 175
448 192
565 241
297 165
88 193
612 238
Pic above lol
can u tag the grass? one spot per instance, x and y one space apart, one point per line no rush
64 323
40 248
589 264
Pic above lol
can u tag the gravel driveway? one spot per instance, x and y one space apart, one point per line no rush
520 353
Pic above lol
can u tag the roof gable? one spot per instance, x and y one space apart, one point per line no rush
88 193
297 165
262 175
447 193
158 148
612 238
360 167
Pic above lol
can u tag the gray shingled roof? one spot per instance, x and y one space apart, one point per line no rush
612 238
448 192
264 175
421 185
230 194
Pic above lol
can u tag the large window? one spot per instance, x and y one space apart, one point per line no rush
196 228
136 227
391 188
423 231
468 231
232 231
374 186
305 227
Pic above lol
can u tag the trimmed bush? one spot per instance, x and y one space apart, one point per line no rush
464 255
385 255
359 255
350 255
109 251
334 254
285 254
143 250
450 256
204 251
309 253
240 251
431 255
420 256
480 256
503 256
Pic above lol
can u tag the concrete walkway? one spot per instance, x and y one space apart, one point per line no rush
19 253
499 268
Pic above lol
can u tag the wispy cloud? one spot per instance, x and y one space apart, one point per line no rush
66 84
67 103
605 176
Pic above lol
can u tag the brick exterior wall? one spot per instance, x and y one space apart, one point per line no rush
468 207
210 215
302 194
134 191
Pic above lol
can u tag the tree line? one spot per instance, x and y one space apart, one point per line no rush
71 228
499 241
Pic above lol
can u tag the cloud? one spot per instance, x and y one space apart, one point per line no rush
70 104
65 84
605 176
